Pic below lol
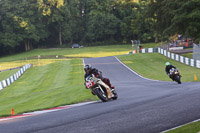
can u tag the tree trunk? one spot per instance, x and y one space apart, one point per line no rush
71 40
30 45
26 45
156 39
60 36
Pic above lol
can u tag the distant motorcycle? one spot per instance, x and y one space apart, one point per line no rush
175 75
101 89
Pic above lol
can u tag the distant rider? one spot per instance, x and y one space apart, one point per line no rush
167 69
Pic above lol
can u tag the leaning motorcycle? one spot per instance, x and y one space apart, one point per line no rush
101 89
175 75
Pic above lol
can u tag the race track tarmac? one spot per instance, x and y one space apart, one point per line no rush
143 106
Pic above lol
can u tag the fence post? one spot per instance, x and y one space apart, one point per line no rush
1 86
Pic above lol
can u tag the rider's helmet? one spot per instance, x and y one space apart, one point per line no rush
87 67
167 64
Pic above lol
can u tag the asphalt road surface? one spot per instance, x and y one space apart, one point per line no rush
144 106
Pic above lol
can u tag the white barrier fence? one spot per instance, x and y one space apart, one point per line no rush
182 59
14 77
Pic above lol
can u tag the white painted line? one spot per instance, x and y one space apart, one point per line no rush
81 104
135 72
83 62
60 108
46 111
156 80
12 117
179 126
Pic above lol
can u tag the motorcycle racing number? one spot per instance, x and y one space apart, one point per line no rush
90 84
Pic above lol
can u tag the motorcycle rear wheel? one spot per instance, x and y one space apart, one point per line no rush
115 95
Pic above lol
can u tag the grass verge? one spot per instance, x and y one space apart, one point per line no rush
56 82
98 51
49 55
52 81
6 74
190 128
152 65
47 86
151 45
189 55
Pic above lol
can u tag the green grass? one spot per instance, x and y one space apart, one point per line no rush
150 45
97 51
6 74
54 82
51 81
47 86
152 65
32 56
189 55
190 128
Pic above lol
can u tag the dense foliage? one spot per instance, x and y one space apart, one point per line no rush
176 17
27 24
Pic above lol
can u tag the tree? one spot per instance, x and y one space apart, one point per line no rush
101 22
126 12
7 34
27 21
21 23
155 12
171 17
76 22
56 12
186 18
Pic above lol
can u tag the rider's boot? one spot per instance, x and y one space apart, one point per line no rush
109 93
109 90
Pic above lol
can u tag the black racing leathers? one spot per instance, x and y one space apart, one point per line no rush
167 69
94 71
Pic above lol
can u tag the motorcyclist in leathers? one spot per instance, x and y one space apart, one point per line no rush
167 69
89 70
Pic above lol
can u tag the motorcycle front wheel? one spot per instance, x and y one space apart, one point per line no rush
101 93
178 80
